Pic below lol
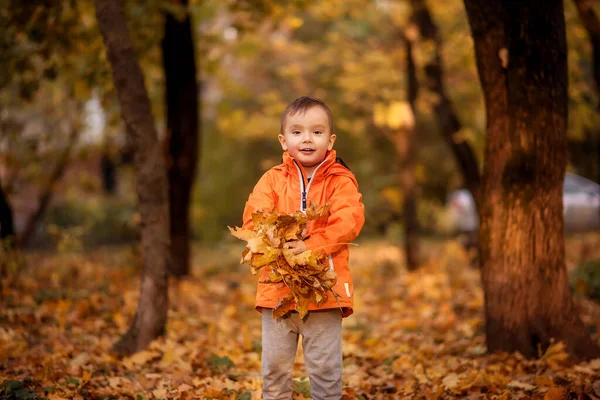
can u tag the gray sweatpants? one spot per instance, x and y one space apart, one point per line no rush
322 344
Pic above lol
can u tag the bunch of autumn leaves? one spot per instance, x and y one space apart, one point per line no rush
307 275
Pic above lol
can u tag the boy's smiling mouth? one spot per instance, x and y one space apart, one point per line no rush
307 150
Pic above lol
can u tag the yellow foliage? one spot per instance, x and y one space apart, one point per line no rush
400 115
393 196
294 22
555 354
379 114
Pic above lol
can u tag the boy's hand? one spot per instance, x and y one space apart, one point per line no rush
297 246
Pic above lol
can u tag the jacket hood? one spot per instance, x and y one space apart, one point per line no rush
330 166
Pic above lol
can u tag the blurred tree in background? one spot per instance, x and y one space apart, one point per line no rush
253 58
587 146
181 141
150 178
399 75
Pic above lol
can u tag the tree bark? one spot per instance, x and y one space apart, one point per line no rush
7 226
522 61
182 134
150 175
48 190
406 154
448 121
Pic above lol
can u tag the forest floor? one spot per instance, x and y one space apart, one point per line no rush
413 334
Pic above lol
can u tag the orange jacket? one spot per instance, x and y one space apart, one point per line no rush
286 189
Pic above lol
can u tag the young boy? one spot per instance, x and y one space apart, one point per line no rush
309 173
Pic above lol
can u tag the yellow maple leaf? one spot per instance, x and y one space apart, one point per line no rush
302 306
555 354
451 381
256 245
160 393
242 234
53 396
87 375
184 387
283 306
305 258
261 259
140 358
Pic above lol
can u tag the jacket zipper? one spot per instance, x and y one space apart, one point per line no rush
303 188
304 194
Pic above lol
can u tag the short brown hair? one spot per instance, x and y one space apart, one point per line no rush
301 104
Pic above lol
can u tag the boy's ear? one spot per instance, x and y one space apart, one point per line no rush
332 138
282 142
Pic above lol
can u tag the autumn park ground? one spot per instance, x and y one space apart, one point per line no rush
413 335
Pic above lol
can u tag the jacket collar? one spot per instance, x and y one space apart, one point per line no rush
329 161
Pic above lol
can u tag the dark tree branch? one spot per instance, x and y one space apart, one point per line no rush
48 190
407 157
448 121
7 227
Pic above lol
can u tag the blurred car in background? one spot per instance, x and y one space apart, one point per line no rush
581 207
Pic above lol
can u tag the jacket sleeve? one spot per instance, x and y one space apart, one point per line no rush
346 218
262 198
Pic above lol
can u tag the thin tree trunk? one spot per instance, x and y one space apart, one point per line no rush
7 243
48 190
182 134
7 227
151 181
448 121
592 26
406 154
591 22
522 61
108 168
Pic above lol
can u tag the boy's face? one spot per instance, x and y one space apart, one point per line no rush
307 137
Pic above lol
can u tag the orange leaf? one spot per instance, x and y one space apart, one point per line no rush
557 393
283 306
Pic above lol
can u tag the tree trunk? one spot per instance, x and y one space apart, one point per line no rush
448 121
150 175
522 61
8 256
406 154
182 134
591 144
108 168
584 154
592 26
47 191
7 227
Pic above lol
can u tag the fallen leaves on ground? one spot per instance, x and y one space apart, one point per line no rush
413 335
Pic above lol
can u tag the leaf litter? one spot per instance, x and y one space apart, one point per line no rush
413 335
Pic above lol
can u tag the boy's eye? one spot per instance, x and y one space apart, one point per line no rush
296 132
318 132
